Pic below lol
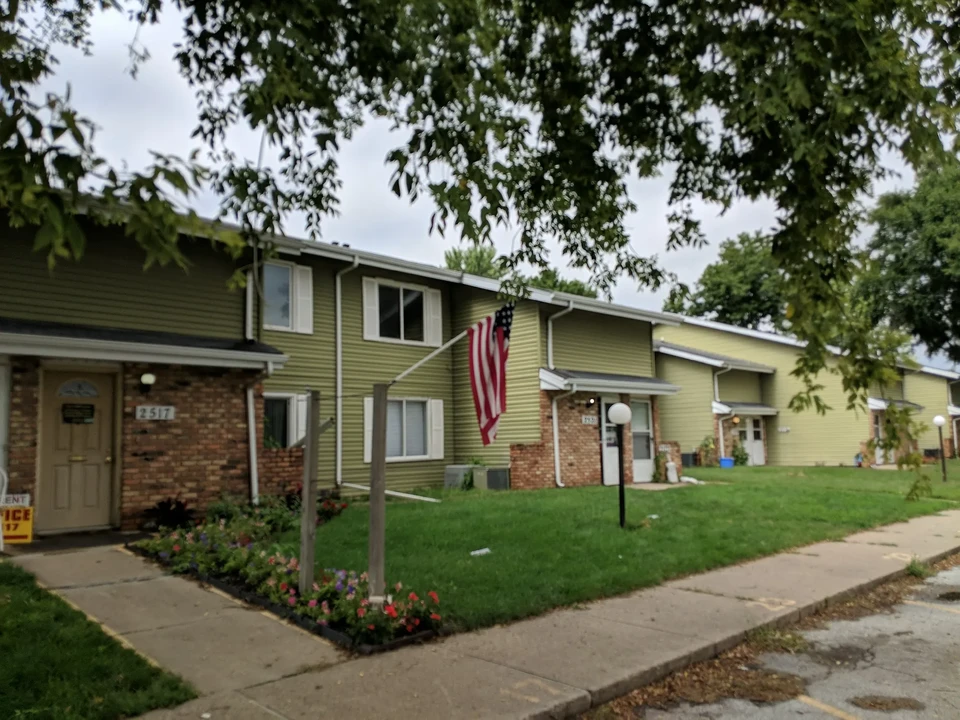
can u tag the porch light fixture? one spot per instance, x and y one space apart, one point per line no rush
736 420
940 421
147 381
619 414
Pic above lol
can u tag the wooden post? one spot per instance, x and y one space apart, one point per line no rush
308 499
378 466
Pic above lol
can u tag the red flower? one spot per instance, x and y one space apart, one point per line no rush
413 596
283 586
370 626
416 621
176 548
361 612
434 616
409 628
390 610
433 596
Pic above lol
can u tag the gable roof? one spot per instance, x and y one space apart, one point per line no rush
709 358
793 342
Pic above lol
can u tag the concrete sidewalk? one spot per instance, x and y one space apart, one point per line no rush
250 667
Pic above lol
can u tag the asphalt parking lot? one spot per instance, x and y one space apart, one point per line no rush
901 664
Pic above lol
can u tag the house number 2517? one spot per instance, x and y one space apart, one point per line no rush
156 412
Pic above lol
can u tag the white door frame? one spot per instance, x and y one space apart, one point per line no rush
608 443
879 454
755 450
642 469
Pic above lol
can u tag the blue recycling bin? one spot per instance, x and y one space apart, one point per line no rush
726 462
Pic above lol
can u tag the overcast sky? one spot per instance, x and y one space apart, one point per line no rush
157 111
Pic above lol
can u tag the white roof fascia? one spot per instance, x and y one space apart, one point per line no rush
953 410
877 403
551 381
948 374
692 357
719 408
95 349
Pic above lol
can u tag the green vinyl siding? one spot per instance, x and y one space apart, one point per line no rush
929 391
598 343
804 438
109 287
521 421
739 386
312 362
686 417
894 391
366 362
954 393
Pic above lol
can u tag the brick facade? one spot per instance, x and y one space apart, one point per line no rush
531 464
281 469
22 441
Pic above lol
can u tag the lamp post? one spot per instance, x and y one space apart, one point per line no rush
619 415
940 421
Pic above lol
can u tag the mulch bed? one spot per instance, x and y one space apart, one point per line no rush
309 624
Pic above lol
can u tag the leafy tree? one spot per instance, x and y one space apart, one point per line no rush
914 279
549 279
744 287
523 113
476 260
482 260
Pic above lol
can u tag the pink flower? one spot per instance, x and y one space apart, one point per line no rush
413 596
312 603
361 612
176 548
271 581
390 610
434 616
272 560
321 621
283 586
370 626
399 587
433 596
292 600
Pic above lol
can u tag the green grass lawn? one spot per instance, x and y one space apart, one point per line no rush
558 547
57 665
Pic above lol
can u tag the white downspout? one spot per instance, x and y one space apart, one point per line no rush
4 411
550 320
338 344
716 397
252 442
556 435
248 309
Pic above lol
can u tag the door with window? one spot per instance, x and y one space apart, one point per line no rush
609 445
880 455
750 436
76 451
641 427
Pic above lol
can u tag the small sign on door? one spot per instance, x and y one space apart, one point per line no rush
156 412
77 413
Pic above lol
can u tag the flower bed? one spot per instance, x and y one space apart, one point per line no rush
231 556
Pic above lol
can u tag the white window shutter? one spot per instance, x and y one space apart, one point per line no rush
436 429
303 299
371 310
300 430
434 317
367 428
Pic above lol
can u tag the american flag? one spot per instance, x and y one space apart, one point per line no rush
489 342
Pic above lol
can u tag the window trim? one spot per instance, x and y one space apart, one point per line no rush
403 436
292 290
423 290
291 399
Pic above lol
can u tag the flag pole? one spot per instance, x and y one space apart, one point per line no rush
376 545
427 358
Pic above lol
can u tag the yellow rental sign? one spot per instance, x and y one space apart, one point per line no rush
17 524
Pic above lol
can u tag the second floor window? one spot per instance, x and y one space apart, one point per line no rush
288 297
397 312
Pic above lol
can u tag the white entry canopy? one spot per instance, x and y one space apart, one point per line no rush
583 381
743 408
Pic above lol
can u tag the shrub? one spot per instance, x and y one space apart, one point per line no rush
708 451
169 513
740 455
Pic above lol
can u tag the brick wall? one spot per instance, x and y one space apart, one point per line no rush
281 469
200 455
531 465
22 451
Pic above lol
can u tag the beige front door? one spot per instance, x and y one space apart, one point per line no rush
76 446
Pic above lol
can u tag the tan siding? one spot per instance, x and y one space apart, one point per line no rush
929 391
109 287
599 343
893 391
739 386
521 422
807 438
686 417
